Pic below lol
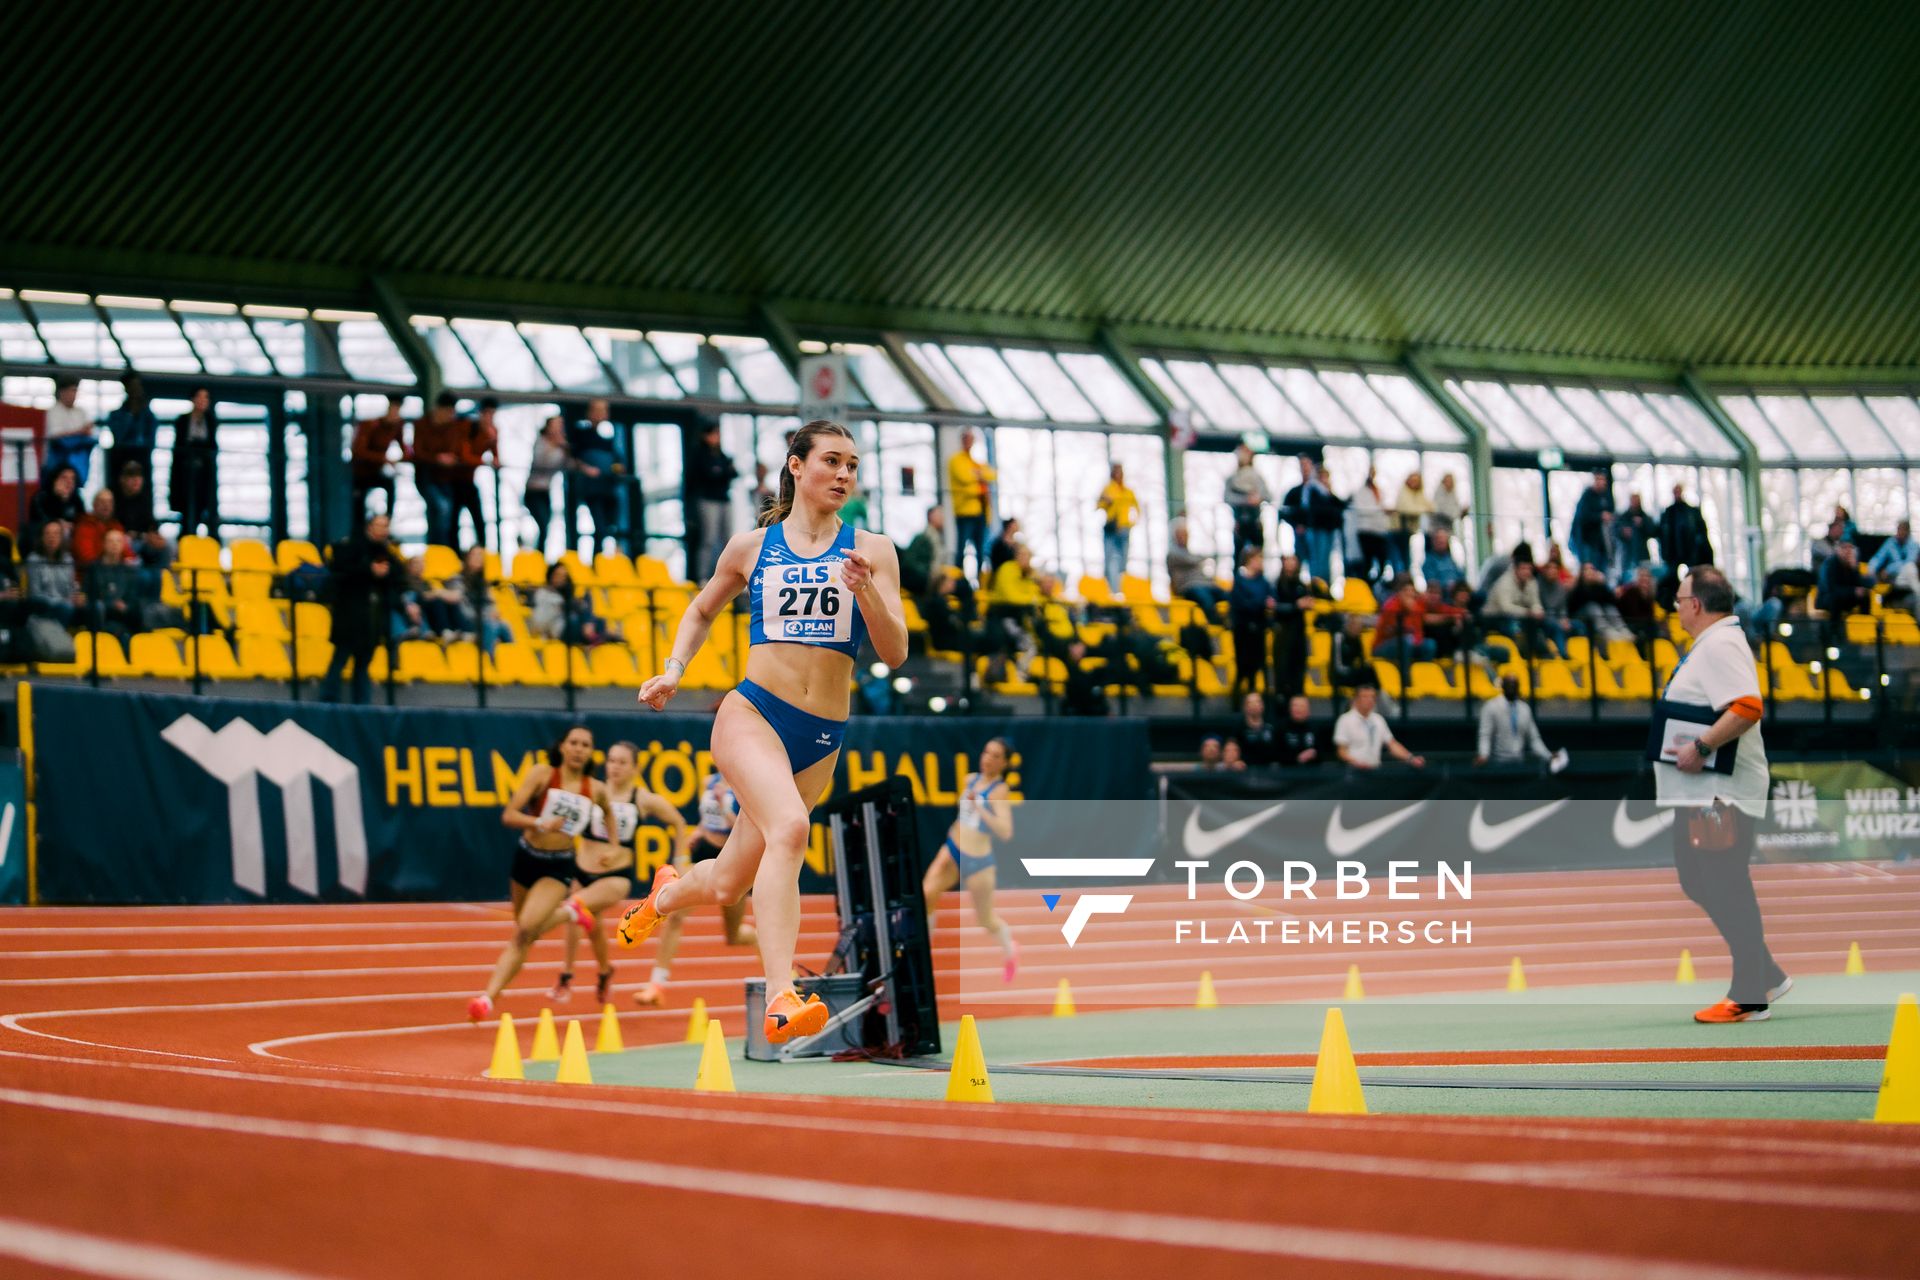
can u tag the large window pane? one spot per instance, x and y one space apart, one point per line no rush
1027 490
1174 392
1415 408
1655 433
940 371
681 351
151 339
1203 385
291 345
1112 394
455 365
1262 395
1900 416
74 335
566 356
502 355
1517 509
1747 416
989 375
1881 493
368 352
762 373
1801 427
1061 400
1209 527
1377 421
1693 426
906 454
1329 417
1512 425
225 344
1784 535
1577 425
885 386
18 342
1859 432
635 363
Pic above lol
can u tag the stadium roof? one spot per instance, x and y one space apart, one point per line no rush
1728 183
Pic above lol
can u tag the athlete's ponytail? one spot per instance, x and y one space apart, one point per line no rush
801 447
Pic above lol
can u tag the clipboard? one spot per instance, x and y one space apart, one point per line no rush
1678 722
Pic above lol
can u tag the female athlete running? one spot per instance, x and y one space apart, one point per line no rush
543 861
603 866
719 809
817 587
967 856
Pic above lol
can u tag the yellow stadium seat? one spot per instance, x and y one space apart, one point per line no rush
1792 682
442 563
312 620
1622 651
291 553
463 662
251 585
314 656
1317 684
529 569
1387 676
1578 649
1207 676
1839 686
492 569
82 658
1096 591
155 654
1430 680
911 613
1502 649
1562 679
579 570
653 572
264 658
1862 628
613 666
614 571
196 552
253 570
1136 590
423 661
216 658
1357 597
516 664
1632 681
1901 627
261 618
104 648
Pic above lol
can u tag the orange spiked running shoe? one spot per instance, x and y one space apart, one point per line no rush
788 1016
1729 1011
642 919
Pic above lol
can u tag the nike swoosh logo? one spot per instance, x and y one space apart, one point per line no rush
1342 841
1630 833
1486 837
1203 844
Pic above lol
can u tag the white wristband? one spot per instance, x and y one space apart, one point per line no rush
675 662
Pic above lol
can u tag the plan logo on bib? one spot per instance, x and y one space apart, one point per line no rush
292 759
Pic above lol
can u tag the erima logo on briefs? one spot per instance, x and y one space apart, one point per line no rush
824 740
292 759
1091 904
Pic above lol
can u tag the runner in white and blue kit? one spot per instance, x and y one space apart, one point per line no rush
817 587
967 856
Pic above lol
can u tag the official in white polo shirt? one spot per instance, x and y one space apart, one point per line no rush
1361 734
1713 832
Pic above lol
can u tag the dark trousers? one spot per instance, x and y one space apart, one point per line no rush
1249 656
466 500
1720 882
337 666
971 531
1246 533
195 503
539 505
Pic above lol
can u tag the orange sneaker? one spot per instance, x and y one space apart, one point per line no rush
641 919
1729 1011
788 1016
651 996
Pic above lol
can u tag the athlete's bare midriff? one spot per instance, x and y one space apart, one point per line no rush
816 680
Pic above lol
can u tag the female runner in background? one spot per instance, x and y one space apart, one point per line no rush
604 864
719 810
817 586
550 809
967 856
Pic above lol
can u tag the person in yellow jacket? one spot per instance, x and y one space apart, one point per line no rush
1122 511
970 483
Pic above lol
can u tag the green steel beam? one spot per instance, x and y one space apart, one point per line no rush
395 314
770 321
1479 447
1752 496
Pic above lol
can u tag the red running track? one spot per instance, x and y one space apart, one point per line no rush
164 1107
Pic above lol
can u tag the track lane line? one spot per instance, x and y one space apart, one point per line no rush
93 1255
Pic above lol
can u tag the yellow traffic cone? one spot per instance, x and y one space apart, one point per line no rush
1336 1081
967 1080
1855 965
716 1073
1356 990
546 1042
1063 1000
697 1023
1516 976
1206 999
1900 1083
506 1053
573 1057
609 1039
1684 975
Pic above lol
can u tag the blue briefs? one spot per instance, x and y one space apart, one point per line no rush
969 865
808 738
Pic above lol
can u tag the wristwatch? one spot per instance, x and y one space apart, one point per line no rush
1700 745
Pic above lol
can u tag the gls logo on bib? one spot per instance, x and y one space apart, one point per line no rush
803 602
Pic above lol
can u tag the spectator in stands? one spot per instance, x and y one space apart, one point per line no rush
550 459
1555 580
1448 507
193 485
1448 623
1084 693
1635 600
1232 759
1256 737
1250 607
951 614
1246 494
409 618
1212 749
133 507
926 554
1367 515
1348 664
763 494
1592 533
1495 566
1299 744
1895 552
1121 510
133 428
56 501
1825 547
70 436
479 615
479 447
560 614
367 578
53 588
1683 533
1003 548
1595 607
1188 574
1400 635
970 489
594 486
1632 530
1411 509
1508 734
1015 602
116 587
1849 531
437 441
369 466
1317 517
710 477
1842 589
90 531
1438 567
1361 735
1513 606
1291 592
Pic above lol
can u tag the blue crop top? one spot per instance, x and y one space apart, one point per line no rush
797 600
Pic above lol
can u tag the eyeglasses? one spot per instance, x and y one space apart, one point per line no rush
1678 599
